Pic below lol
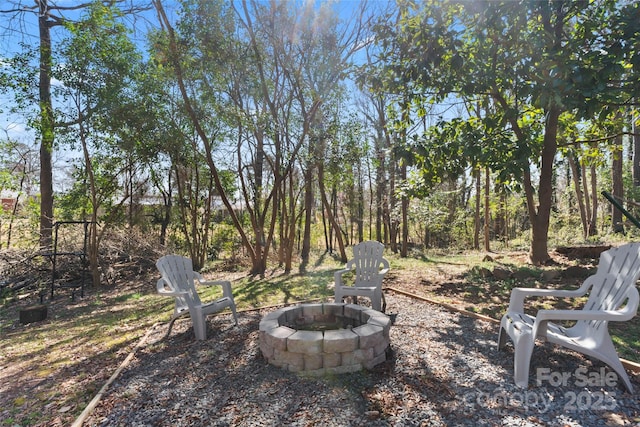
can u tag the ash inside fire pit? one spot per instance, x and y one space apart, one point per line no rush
325 338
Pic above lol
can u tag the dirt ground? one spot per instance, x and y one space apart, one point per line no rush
53 395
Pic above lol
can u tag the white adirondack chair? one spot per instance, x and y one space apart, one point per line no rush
612 297
178 280
369 267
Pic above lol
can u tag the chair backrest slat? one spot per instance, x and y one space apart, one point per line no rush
620 269
367 259
177 271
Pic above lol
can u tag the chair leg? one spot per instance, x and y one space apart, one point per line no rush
376 301
609 356
522 361
235 315
616 365
199 324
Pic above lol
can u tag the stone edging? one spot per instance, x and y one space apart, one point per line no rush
362 343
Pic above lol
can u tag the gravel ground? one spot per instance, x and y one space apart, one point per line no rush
444 370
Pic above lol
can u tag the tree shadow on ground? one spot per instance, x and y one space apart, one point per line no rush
446 370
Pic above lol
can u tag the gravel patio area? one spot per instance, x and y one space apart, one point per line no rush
444 370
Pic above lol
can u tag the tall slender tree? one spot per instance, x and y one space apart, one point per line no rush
101 64
49 14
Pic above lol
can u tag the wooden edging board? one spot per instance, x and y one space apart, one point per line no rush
96 399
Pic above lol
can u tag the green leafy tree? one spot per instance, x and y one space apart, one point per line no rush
31 81
99 68
252 80
534 60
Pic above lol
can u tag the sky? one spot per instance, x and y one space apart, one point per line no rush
22 27
18 28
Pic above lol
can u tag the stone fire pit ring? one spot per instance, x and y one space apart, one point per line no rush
328 338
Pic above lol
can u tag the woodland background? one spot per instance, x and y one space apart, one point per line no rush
260 129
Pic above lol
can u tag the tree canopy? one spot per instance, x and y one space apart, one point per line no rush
518 66
258 128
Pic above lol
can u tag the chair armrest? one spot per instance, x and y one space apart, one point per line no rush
544 316
337 276
226 286
516 302
383 271
164 291
608 315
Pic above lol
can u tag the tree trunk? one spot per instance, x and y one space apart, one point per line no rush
371 199
636 151
47 130
617 191
380 188
404 248
351 219
504 217
404 200
259 264
16 203
636 154
308 214
579 195
593 223
93 236
476 216
325 228
330 215
393 222
387 171
360 206
283 221
167 197
292 225
487 209
539 254
289 232
587 199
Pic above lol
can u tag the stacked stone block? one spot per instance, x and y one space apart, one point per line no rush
330 338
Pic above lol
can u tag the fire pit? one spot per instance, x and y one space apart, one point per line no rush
328 338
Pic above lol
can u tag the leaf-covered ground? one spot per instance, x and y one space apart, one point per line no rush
50 370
